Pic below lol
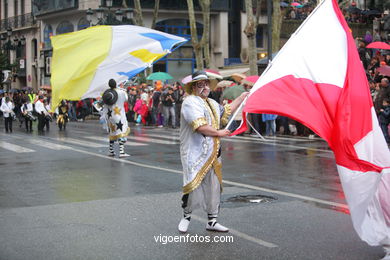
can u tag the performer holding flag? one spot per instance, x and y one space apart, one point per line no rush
200 132
114 111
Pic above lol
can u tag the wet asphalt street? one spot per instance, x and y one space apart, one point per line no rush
61 197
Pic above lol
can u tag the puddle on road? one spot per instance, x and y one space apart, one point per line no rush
246 200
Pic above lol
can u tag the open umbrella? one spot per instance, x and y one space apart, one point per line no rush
213 74
250 80
233 92
384 70
379 45
295 4
371 12
1 91
237 77
353 10
224 83
45 87
159 76
283 4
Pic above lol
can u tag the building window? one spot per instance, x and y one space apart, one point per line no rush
64 27
179 27
34 48
47 32
260 37
83 23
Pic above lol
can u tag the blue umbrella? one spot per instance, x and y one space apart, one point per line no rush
283 4
1 91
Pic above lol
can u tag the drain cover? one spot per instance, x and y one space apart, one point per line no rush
250 199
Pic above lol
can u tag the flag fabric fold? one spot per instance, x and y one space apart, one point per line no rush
85 60
317 78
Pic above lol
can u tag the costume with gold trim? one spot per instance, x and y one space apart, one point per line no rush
199 153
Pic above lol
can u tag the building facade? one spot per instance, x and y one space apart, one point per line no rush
19 44
57 17
36 21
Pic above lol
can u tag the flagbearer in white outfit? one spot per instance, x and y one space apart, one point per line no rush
114 112
201 125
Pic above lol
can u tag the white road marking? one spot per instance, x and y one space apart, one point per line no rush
15 148
172 138
49 145
105 139
151 140
240 234
80 142
138 138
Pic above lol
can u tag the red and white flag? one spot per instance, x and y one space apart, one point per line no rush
318 79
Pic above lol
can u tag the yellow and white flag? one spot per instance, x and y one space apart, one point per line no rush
85 60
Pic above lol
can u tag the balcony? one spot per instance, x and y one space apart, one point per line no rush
43 7
16 22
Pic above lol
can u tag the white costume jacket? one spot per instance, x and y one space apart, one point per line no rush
200 153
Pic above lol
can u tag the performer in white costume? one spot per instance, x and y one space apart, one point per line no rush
114 111
200 131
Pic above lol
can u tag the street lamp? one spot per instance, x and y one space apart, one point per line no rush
7 47
105 16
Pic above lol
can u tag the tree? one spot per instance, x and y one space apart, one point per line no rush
138 12
205 42
276 26
202 47
250 32
155 13
139 20
194 36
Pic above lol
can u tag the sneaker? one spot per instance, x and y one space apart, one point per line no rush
124 155
111 154
215 226
183 225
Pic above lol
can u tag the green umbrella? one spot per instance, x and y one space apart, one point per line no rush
233 92
159 76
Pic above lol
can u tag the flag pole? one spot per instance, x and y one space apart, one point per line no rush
235 113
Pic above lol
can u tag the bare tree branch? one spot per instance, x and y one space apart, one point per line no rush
155 13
